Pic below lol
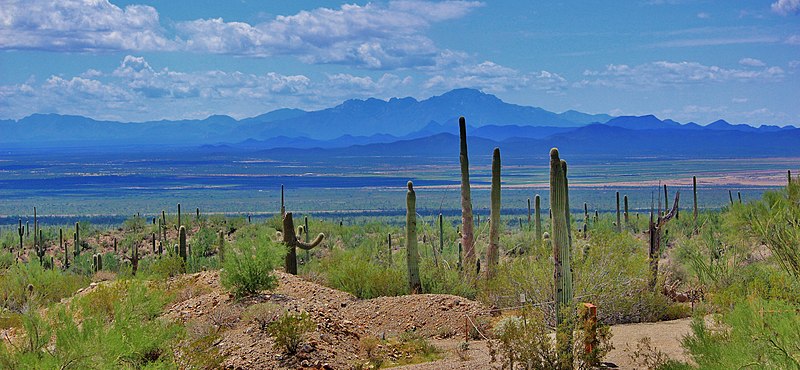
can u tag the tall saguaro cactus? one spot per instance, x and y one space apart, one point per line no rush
694 192
291 243
625 214
559 205
467 236
77 239
21 232
619 220
529 214
537 221
493 252
283 206
412 255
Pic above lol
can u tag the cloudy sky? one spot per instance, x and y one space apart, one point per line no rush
138 60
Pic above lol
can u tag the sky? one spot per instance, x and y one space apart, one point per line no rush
142 60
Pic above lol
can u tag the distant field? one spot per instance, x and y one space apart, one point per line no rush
102 185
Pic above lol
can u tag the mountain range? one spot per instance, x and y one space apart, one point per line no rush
381 127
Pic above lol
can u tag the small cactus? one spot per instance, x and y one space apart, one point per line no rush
21 231
694 193
625 203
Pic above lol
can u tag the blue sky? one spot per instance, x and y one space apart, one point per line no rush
167 59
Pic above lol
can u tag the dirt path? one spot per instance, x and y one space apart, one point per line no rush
665 337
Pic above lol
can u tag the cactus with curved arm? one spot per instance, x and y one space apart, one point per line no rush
292 243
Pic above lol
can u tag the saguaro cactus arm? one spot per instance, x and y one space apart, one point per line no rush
289 238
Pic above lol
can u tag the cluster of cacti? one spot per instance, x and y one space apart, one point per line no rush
467 237
493 252
291 243
562 247
412 256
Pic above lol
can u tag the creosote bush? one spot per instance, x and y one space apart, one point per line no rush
249 263
289 330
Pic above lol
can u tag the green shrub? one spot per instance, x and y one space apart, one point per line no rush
203 242
168 265
47 286
131 337
757 334
289 330
249 263
358 272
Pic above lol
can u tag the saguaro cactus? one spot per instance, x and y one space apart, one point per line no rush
292 243
64 247
179 216
619 220
561 240
182 251
655 239
412 256
625 214
77 239
441 233
221 246
389 256
283 206
694 193
493 252
537 221
467 237
21 231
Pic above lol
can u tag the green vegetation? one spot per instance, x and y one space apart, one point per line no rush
737 270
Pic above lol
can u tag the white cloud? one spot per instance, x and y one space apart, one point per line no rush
703 15
751 62
73 25
372 36
739 100
663 73
786 7
793 40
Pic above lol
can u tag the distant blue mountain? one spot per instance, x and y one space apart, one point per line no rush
354 122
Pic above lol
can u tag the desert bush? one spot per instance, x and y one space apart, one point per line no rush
756 334
359 272
133 339
261 314
249 263
203 242
775 222
46 286
289 330
168 265
524 341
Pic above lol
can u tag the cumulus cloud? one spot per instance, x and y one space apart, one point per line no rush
663 73
786 7
372 36
752 62
75 25
793 40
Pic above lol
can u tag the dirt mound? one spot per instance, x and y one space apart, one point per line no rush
341 320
